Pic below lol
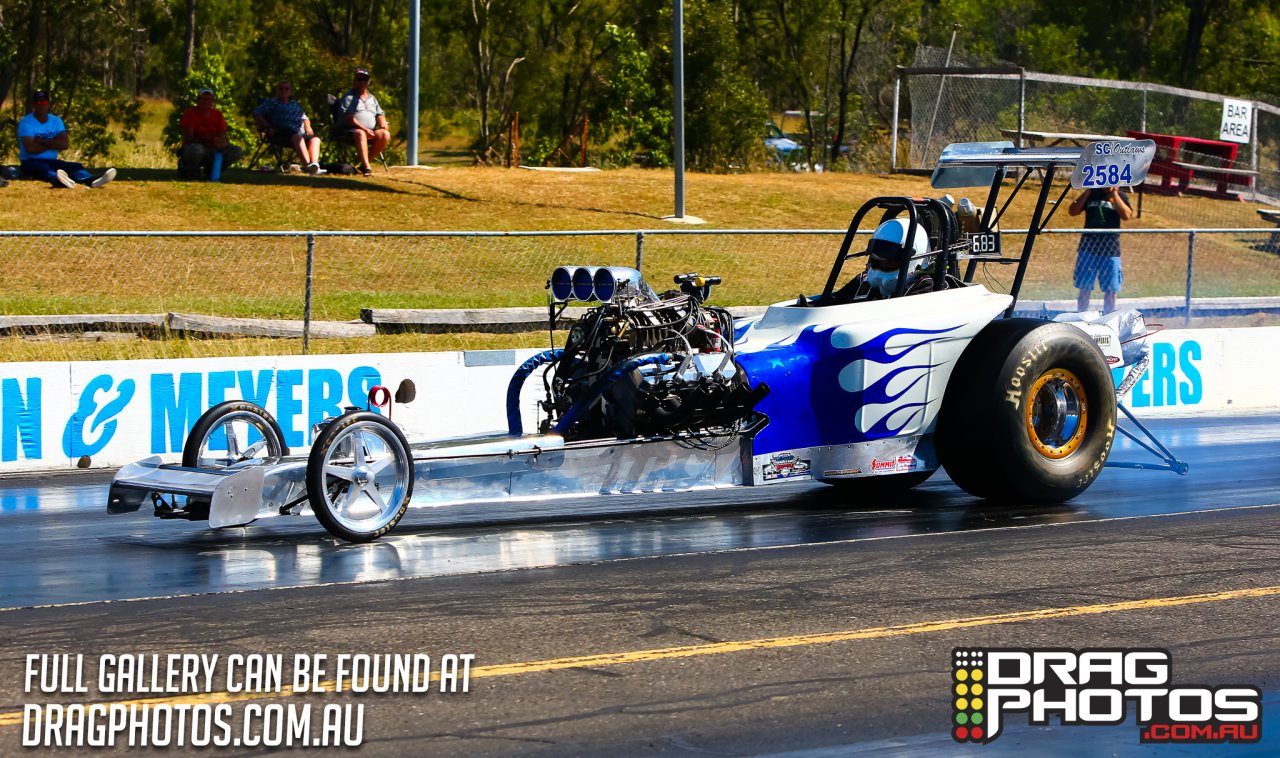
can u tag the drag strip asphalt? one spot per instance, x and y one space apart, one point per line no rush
778 621
61 546
820 647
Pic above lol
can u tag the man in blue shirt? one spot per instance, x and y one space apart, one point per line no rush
284 123
40 136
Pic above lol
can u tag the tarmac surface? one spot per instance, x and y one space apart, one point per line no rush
782 620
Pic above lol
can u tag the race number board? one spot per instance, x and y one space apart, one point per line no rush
984 244
1113 163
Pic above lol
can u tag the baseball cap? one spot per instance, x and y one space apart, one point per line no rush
362 72
205 91
39 96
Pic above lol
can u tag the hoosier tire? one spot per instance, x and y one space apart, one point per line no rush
359 476
1029 414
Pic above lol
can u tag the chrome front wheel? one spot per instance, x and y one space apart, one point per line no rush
359 476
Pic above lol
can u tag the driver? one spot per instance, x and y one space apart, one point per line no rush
884 261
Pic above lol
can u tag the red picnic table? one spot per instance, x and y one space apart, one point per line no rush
1182 159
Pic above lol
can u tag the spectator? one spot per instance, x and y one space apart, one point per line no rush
363 122
1098 255
40 136
204 133
284 123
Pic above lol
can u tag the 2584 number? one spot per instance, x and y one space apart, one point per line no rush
1106 175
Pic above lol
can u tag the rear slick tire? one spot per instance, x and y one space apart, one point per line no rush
1029 414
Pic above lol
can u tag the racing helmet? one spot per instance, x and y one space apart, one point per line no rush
887 250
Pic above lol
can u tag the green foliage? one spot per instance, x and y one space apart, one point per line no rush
630 103
102 111
724 110
556 61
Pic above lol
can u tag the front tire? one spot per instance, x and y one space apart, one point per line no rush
1029 414
222 436
360 476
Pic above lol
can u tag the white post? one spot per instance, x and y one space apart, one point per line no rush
678 106
411 127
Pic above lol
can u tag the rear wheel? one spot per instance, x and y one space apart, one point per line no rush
1029 413
359 476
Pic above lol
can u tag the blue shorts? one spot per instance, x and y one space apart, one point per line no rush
1095 267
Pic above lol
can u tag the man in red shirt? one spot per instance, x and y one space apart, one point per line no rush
204 132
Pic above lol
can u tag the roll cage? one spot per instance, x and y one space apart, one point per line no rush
989 164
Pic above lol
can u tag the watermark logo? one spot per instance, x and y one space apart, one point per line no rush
1095 687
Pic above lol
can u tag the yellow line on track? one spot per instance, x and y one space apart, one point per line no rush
14 718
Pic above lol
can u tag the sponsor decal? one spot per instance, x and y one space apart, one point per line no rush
842 472
894 465
1095 687
785 466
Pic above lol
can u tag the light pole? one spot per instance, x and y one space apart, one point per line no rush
411 127
677 49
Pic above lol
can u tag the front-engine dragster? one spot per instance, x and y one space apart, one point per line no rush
902 364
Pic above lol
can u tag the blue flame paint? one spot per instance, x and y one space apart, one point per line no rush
808 406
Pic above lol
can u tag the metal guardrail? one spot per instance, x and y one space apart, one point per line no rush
230 273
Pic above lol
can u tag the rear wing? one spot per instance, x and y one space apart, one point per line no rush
1110 163
1097 165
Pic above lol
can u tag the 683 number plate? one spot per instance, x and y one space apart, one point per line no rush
984 244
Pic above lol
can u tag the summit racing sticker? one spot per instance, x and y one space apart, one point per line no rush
1095 687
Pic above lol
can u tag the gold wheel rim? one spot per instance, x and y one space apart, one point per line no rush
1057 414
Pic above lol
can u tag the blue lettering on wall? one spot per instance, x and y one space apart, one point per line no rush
1190 391
1160 386
289 407
75 442
219 383
174 411
359 382
20 420
259 391
1163 382
324 396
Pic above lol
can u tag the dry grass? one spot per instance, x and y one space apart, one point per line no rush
264 277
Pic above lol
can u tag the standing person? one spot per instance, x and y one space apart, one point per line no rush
363 121
285 124
41 135
204 133
1098 256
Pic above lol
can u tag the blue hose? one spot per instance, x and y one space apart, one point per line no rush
514 425
604 383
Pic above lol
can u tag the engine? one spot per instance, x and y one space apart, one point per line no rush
642 364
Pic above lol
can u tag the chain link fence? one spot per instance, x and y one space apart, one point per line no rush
954 99
54 280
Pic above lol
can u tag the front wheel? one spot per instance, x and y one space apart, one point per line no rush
1029 414
359 476
233 432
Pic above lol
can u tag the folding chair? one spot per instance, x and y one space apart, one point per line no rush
277 154
341 139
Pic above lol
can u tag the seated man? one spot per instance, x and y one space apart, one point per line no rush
884 261
284 123
40 136
204 133
362 121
